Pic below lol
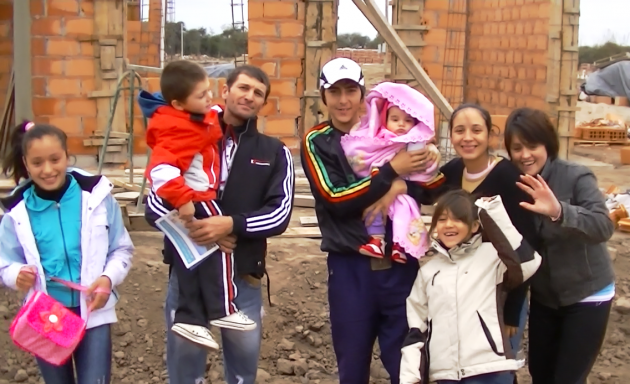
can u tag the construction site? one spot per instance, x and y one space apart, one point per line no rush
78 64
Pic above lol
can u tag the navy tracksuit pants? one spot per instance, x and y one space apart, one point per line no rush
366 305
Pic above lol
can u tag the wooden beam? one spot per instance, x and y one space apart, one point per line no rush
22 60
304 201
320 41
376 18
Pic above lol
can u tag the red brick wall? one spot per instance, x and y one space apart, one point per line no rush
508 53
276 43
443 55
63 68
361 56
143 38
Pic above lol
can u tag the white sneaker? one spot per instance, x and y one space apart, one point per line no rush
237 320
195 333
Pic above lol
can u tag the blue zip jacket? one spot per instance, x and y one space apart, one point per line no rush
57 231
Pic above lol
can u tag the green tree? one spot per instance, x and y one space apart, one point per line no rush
229 43
172 37
378 40
590 54
352 40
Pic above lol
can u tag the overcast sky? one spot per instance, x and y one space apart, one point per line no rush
600 20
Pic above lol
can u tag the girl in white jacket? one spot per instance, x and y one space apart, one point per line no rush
64 224
454 309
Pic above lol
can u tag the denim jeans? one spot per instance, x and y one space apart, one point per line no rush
92 359
488 378
515 341
186 362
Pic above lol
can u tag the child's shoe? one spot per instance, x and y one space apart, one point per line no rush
398 254
374 248
238 321
195 333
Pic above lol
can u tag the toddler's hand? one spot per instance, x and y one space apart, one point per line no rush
187 212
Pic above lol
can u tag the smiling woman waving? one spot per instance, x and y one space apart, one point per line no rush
572 293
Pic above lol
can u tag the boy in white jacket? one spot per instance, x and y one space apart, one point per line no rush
454 309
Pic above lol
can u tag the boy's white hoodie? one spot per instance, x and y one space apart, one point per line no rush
455 309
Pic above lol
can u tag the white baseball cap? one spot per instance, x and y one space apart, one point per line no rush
341 69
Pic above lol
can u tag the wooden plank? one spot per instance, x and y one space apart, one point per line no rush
304 201
108 57
320 40
109 24
100 142
411 27
568 87
299 181
138 223
306 232
125 216
371 11
6 185
102 93
127 196
140 172
127 186
309 221
8 111
22 60
112 135
115 148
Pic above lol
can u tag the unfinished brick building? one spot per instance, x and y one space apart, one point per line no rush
500 53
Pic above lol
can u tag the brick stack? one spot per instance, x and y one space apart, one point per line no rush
508 53
63 68
276 44
362 56
6 46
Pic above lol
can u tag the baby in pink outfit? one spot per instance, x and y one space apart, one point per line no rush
397 116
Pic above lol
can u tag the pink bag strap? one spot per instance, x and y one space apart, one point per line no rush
69 284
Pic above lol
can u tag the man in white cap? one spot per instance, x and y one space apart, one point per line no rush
366 295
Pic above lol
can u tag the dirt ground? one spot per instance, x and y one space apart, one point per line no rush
296 345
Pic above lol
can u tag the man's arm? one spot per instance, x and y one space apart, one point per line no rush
273 218
329 184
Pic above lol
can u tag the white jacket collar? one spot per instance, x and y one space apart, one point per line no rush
462 250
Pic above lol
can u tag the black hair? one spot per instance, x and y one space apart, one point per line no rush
484 114
322 93
532 127
250 71
19 141
179 79
461 206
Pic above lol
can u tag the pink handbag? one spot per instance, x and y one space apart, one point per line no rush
47 329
